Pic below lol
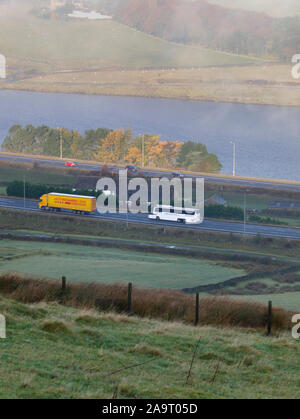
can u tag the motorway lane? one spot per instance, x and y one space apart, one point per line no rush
215 179
207 225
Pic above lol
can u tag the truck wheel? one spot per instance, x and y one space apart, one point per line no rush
157 219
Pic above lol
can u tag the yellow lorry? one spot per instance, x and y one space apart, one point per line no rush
76 203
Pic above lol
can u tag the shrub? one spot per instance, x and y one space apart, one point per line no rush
35 191
55 326
221 211
160 304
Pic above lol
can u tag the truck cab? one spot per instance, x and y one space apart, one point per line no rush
43 202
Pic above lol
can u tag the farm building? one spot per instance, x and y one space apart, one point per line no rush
216 200
86 182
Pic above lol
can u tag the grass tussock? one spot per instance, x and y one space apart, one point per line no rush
161 304
56 326
145 349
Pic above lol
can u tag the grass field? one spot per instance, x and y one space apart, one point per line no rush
288 300
258 290
47 176
113 59
256 201
2 190
56 352
257 84
99 44
68 225
81 263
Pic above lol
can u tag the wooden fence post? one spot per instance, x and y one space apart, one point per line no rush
129 297
63 283
269 318
197 309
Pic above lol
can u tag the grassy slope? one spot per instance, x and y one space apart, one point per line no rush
98 44
276 8
81 263
57 352
43 49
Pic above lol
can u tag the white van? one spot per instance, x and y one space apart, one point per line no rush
180 215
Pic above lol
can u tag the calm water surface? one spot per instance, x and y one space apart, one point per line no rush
267 137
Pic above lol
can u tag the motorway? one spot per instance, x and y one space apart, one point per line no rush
286 186
207 225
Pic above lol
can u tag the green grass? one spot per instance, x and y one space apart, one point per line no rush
2 190
259 202
101 44
85 227
83 263
56 352
9 173
252 201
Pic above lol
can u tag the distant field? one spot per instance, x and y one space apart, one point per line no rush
9 173
276 8
113 59
259 202
288 300
49 45
81 263
259 84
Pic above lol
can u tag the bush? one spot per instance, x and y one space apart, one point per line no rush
221 211
265 220
35 191
160 304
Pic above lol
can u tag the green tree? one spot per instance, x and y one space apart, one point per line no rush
194 156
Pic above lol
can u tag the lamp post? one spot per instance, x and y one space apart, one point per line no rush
60 143
128 204
245 210
234 158
24 187
143 149
24 190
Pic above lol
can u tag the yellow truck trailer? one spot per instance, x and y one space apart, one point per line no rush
76 203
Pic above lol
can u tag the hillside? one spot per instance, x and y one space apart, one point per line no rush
52 351
214 26
31 44
275 8
111 58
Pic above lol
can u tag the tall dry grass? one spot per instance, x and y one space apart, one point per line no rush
162 304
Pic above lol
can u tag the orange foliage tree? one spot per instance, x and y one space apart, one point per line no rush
119 146
113 147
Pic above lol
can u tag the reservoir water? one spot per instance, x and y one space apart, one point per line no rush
267 137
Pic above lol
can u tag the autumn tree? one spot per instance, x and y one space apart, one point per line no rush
114 146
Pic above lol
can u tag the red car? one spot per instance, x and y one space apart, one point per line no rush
70 164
